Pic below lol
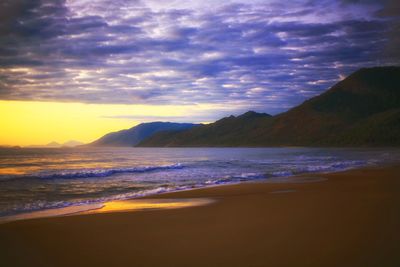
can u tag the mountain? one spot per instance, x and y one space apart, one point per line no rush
53 144
229 131
361 110
134 135
71 143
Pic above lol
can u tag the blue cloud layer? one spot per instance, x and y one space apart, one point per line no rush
263 55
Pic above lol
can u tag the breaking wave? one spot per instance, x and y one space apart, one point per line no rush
93 173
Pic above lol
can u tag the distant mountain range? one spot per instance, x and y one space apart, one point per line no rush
134 135
361 110
71 143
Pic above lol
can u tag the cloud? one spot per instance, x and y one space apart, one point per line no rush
263 55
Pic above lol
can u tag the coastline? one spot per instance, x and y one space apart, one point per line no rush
129 204
348 218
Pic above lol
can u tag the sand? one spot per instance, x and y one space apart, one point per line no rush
343 219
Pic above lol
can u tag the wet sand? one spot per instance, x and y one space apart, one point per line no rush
341 219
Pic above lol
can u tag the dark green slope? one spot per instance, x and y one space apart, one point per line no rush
320 120
361 110
134 135
381 129
229 131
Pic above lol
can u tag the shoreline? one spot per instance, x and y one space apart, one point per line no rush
349 219
96 207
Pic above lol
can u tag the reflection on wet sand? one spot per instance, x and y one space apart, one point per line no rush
144 204
112 206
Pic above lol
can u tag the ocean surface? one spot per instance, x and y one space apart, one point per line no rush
38 179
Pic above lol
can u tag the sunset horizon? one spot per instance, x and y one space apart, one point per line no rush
203 133
91 71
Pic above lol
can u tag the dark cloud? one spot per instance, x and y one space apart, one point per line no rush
264 56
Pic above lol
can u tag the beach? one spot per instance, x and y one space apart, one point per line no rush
349 218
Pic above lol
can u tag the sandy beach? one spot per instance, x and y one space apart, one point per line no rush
342 219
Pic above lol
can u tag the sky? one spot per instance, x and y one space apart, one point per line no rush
77 69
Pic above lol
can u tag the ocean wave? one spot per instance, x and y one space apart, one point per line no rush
235 179
108 172
94 173
282 173
335 166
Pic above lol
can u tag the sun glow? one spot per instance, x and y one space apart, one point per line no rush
37 123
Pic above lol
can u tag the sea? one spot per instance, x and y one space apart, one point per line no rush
35 179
